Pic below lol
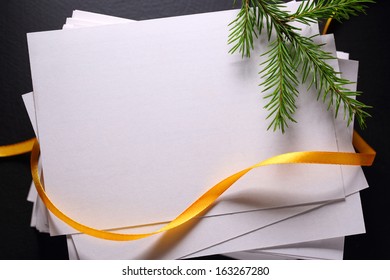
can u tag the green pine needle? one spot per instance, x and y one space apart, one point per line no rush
291 52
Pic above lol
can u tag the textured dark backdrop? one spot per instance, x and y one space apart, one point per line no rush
364 37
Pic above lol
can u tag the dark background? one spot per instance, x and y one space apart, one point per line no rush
365 37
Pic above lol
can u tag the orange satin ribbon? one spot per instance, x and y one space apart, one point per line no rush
364 157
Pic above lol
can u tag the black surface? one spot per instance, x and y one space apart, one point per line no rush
364 37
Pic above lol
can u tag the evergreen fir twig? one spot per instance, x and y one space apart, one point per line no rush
280 77
291 51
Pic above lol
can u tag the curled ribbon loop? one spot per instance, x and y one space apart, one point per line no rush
365 157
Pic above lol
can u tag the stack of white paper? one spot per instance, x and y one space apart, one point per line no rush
137 119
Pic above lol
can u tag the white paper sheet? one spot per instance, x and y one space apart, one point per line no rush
98 18
39 216
331 249
112 125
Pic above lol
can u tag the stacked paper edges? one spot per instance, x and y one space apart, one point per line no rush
137 119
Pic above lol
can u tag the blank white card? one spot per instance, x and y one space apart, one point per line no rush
136 121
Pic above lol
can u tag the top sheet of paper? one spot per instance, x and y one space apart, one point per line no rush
137 120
